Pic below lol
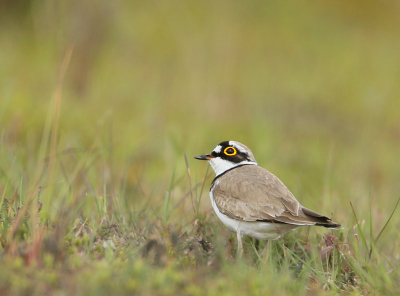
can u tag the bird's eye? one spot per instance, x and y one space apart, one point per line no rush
230 151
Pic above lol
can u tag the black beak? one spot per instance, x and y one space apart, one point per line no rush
204 157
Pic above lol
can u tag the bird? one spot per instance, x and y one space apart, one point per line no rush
250 200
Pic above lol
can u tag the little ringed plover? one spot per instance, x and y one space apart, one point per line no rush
252 201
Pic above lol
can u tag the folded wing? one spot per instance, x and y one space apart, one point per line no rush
251 193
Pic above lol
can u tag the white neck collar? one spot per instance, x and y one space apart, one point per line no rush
220 165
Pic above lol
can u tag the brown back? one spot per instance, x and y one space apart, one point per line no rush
251 193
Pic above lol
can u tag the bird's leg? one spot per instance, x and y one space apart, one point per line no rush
239 239
240 244
266 251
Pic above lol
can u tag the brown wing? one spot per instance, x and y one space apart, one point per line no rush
251 193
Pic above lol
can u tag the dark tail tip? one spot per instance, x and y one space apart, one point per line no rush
330 224
321 220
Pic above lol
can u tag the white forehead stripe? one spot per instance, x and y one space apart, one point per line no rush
238 147
218 149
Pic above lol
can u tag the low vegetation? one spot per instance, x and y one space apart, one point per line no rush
104 105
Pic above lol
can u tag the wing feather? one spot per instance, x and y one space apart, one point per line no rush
251 193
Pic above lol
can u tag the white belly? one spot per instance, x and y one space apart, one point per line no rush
256 229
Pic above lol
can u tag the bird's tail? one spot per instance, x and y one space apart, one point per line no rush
321 220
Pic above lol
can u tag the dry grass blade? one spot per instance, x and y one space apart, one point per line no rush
190 183
202 188
168 196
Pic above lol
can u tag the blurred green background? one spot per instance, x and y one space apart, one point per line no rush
312 87
100 99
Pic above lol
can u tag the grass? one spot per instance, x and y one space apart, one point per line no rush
104 105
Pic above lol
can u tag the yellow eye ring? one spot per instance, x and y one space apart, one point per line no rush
230 154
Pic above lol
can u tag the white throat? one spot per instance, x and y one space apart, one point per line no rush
220 165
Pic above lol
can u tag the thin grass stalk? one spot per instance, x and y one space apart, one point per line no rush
387 222
168 196
190 184
370 227
55 122
202 188
3 196
339 267
359 228
104 190
79 170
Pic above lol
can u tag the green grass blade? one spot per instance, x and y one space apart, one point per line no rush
387 222
370 226
168 196
359 228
